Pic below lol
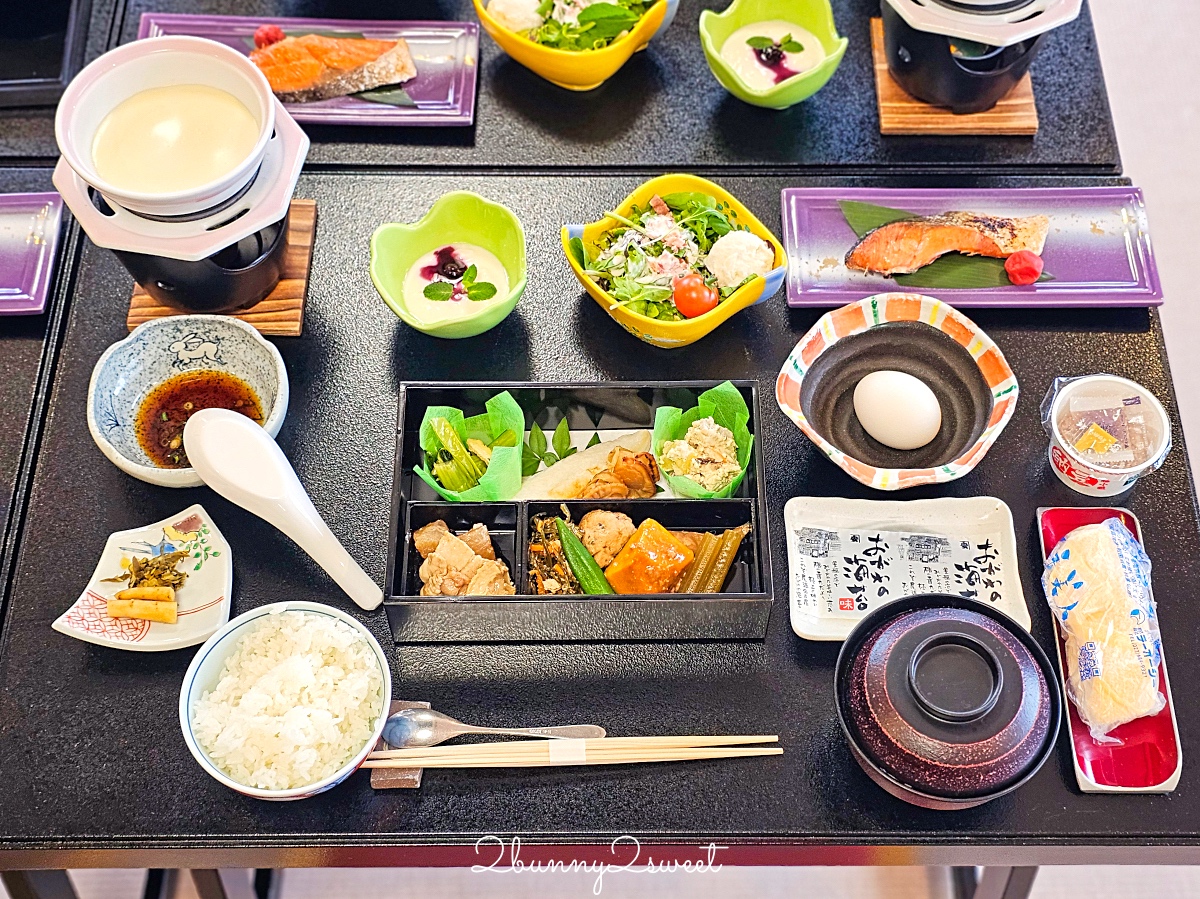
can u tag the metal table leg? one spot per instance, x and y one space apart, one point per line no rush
993 882
223 883
38 885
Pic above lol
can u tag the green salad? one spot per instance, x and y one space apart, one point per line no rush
679 256
570 24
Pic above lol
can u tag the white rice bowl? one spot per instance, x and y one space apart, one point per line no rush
296 700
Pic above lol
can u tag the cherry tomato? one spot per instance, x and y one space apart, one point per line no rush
266 35
1023 267
692 296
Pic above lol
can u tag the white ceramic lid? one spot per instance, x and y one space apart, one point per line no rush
998 23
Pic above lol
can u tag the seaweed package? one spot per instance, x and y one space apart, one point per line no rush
1097 581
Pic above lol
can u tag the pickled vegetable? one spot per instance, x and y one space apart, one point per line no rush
694 576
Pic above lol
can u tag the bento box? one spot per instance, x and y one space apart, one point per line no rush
592 412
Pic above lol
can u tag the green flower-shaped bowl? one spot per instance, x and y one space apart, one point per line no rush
814 15
457 217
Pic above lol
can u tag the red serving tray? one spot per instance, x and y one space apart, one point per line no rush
1148 759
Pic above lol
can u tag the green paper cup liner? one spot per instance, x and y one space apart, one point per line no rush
725 405
502 479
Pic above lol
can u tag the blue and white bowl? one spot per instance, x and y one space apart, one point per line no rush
161 349
205 669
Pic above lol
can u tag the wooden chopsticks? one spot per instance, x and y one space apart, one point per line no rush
547 753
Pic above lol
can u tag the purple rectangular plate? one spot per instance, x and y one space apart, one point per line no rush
1098 248
29 225
446 55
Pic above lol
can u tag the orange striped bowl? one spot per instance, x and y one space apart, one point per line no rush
871 313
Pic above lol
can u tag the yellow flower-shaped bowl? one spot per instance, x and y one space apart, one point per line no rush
459 216
579 70
680 333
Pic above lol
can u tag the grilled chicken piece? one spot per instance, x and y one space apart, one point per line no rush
426 539
480 541
902 247
604 534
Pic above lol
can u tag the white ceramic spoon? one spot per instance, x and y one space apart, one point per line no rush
239 460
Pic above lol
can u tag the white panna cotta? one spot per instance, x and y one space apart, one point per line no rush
443 265
748 62
167 140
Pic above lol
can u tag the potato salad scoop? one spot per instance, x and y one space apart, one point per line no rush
238 459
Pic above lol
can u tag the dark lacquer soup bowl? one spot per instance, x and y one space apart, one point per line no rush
946 702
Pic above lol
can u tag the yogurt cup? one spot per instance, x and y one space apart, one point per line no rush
1085 475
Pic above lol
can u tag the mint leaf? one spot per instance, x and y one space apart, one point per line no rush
562 439
760 43
438 291
469 275
481 290
792 47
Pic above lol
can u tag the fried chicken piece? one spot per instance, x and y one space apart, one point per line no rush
426 539
604 534
491 579
480 541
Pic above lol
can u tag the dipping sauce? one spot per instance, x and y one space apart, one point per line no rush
167 407
170 139
449 264
761 68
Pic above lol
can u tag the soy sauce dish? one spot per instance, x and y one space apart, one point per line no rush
946 703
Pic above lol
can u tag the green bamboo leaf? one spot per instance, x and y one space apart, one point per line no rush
954 271
864 218
391 96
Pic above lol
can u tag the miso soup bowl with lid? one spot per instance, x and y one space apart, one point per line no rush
205 670
1087 476
162 62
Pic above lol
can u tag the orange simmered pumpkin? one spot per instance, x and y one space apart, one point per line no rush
651 562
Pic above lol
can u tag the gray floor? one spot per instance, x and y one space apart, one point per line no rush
1152 73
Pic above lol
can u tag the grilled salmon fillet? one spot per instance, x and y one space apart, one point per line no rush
899 248
315 67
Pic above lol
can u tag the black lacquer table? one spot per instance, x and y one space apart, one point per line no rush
95 771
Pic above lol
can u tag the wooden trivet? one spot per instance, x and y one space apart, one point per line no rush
281 314
900 113
397 778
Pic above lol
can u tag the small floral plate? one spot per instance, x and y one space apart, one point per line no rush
204 599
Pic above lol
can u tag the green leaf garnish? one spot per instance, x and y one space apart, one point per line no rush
790 46
595 440
562 439
530 462
537 440
393 95
481 290
760 43
438 291
469 275
578 253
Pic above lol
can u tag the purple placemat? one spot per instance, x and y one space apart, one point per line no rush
29 225
446 55
1098 247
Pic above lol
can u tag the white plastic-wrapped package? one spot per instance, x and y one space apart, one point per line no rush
1097 582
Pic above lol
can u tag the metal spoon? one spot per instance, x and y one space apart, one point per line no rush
425 727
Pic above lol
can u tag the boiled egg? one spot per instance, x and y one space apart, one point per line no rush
897 409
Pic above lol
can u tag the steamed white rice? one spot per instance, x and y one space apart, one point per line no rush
295 701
